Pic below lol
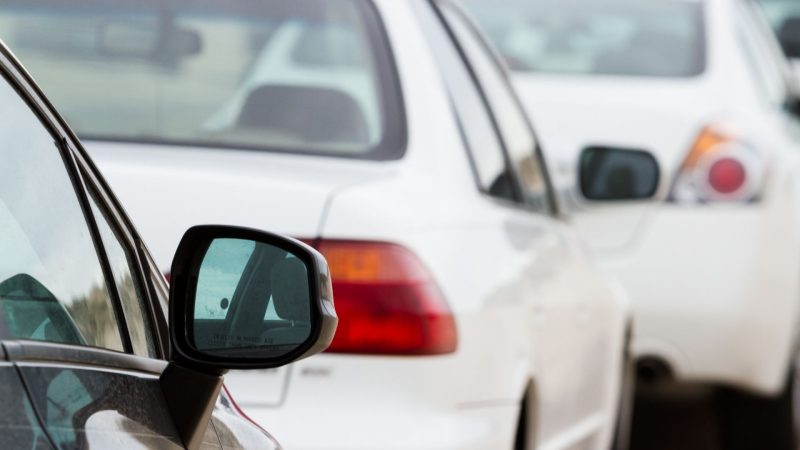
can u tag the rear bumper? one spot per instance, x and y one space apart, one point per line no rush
715 292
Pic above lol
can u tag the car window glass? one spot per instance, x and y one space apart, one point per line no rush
598 37
511 119
213 73
157 281
127 284
766 71
52 286
481 138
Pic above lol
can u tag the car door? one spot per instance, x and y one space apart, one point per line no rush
578 325
76 318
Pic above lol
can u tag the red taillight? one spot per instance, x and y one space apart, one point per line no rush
387 301
720 167
726 175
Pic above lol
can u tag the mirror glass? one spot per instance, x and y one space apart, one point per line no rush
251 298
618 174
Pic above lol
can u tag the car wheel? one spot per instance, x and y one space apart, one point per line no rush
752 422
622 429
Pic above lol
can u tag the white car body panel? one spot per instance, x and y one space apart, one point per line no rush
531 309
714 286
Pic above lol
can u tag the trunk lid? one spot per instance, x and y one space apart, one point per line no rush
167 189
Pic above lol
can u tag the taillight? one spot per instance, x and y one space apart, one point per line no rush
719 168
387 301
726 175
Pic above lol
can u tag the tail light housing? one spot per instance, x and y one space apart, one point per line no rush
720 167
387 301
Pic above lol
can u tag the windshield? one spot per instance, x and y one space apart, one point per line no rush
290 75
596 37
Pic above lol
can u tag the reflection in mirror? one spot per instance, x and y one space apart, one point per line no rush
618 174
251 296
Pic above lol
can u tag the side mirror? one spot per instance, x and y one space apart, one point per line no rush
789 37
612 174
239 299
246 299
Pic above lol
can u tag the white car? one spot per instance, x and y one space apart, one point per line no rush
712 269
471 316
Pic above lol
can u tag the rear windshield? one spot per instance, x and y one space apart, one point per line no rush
286 75
779 11
655 38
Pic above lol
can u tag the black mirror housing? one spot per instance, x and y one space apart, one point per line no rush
276 306
616 174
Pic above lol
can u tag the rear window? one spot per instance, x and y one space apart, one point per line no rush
306 76
779 11
597 37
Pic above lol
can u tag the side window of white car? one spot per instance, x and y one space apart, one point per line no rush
511 119
761 59
475 120
52 283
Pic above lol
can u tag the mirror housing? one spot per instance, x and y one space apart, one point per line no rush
270 264
616 174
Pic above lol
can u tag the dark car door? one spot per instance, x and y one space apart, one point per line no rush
79 339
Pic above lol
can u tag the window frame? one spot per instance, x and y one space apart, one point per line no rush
552 208
75 160
128 243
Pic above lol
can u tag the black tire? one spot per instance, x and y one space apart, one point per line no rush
622 429
752 422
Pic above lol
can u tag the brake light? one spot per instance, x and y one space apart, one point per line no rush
726 175
387 301
719 168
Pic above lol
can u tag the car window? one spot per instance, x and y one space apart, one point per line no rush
766 71
517 136
123 266
52 285
778 12
654 38
480 135
302 76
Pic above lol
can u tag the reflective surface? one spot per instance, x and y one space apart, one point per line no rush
51 283
93 409
251 296
210 73
19 429
608 37
618 174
